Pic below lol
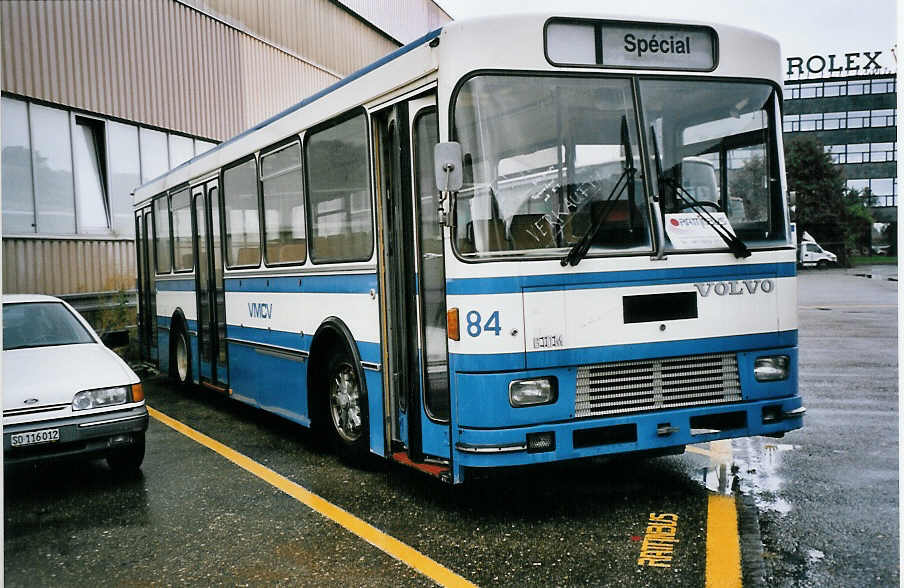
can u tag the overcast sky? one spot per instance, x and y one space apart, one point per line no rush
803 27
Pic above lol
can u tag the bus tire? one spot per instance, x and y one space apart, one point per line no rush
346 406
180 361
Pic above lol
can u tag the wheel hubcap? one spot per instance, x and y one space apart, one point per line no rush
345 403
182 358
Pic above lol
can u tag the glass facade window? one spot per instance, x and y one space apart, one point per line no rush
883 118
90 175
811 122
339 202
202 146
18 196
154 154
837 152
284 223
858 153
182 246
124 174
857 87
858 119
181 149
834 120
835 89
811 90
243 237
53 178
883 86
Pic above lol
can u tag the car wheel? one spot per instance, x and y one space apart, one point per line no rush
181 358
128 459
346 406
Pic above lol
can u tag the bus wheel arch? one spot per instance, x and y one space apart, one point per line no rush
337 398
180 349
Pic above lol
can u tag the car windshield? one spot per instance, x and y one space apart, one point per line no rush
41 324
543 160
716 144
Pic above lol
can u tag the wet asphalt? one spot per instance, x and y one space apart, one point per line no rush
825 496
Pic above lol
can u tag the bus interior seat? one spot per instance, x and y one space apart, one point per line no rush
248 256
291 252
493 230
531 231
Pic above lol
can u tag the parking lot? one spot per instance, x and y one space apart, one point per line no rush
230 495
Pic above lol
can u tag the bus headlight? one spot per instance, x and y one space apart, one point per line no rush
532 392
771 368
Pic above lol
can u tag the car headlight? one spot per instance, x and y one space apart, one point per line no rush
100 398
532 392
771 368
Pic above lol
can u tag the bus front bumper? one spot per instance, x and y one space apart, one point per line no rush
639 432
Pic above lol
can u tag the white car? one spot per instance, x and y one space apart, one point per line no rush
64 393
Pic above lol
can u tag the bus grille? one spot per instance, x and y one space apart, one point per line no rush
624 387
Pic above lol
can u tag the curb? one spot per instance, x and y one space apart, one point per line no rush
752 566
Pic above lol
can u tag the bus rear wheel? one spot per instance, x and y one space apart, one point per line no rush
346 407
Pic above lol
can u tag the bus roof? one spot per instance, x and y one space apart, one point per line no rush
517 42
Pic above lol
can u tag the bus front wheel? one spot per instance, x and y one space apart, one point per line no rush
347 407
181 358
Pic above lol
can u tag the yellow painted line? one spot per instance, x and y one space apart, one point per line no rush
844 306
723 547
389 545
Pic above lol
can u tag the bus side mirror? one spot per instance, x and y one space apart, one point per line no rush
792 198
447 166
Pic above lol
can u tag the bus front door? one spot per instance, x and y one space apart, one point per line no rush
416 379
211 364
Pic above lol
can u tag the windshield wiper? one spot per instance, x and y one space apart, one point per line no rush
735 245
580 249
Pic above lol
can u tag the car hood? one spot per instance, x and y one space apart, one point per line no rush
53 375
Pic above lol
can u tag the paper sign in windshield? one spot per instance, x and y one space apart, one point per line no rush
688 230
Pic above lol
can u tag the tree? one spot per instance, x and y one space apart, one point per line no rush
833 215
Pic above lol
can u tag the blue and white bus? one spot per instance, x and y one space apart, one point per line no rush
515 240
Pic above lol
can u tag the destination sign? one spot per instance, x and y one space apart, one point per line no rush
631 45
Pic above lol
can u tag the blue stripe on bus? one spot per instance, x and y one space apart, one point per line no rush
341 284
618 279
347 79
176 285
369 352
585 355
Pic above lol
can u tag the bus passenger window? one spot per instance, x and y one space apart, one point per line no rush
243 239
338 188
162 235
284 224
182 249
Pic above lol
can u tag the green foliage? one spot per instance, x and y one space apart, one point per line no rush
825 209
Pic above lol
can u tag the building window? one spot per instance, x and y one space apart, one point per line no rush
124 174
858 119
243 237
811 122
18 197
284 223
90 175
855 88
181 149
336 162
834 120
883 118
838 153
835 89
811 90
883 86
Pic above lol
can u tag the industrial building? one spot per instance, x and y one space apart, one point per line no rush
99 96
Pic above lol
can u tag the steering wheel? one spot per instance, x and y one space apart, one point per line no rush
714 205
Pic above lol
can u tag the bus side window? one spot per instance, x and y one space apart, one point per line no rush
338 190
243 239
182 231
284 224
162 242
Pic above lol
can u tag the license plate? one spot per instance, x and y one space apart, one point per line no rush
34 437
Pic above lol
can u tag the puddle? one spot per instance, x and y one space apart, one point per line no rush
750 465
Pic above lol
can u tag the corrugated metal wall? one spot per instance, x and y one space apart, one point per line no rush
54 266
325 32
156 62
406 20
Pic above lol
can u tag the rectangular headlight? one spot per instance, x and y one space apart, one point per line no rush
100 398
771 368
532 392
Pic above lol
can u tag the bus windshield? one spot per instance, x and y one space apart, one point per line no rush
542 156
716 143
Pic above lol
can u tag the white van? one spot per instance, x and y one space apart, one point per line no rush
811 254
